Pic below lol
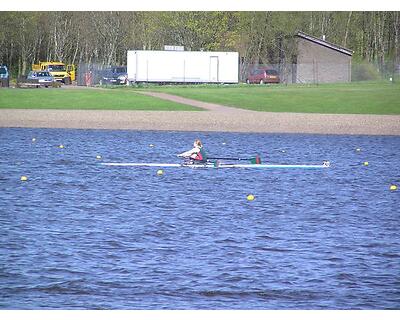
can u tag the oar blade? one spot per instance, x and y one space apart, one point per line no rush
256 160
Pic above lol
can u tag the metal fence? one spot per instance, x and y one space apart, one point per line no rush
321 72
90 74
294 73
362 71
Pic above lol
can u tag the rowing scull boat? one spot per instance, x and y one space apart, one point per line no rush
220 165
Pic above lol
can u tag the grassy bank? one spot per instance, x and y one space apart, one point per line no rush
348 98
85 99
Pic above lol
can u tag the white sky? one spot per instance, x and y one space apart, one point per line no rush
201 5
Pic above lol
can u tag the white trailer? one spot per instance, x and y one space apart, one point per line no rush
182 66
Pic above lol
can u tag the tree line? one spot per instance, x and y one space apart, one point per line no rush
259 37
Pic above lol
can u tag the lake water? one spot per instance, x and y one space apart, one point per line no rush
79 235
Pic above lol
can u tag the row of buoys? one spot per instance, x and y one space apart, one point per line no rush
365 163
25 178
249 197
61 146
392 187
160 172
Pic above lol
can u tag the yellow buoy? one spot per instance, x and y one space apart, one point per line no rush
61 146
366 163
393 187
98 157
250 197
160 172
24 178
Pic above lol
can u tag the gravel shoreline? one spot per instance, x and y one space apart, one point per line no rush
215 118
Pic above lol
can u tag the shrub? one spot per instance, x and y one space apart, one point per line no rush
363 71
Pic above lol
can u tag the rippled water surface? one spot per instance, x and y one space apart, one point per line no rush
78 235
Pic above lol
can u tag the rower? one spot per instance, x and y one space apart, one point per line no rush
197 154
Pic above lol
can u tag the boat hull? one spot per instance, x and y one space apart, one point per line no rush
222 165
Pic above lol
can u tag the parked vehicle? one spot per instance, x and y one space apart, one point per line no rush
4 76
44 78
60 71
263 75
182 66
114 75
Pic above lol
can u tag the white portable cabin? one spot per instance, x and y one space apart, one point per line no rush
183 66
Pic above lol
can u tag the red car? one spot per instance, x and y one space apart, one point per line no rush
263 75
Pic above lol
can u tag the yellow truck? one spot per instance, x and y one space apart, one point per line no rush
60 71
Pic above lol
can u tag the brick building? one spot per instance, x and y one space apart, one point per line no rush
319 61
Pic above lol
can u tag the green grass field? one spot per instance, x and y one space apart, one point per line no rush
52 98
347 98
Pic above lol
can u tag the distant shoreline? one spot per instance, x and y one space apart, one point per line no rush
224 120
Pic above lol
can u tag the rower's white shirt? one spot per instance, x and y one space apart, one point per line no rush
190 152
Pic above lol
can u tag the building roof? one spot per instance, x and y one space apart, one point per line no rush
324 43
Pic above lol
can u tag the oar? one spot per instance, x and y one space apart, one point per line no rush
256 159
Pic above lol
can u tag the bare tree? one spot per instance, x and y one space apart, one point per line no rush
104 37
109 27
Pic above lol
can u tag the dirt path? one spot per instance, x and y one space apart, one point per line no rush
195 103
